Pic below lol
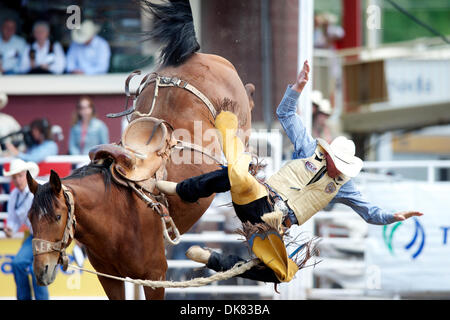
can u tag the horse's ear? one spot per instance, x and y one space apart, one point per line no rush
250 89
55 182
32 184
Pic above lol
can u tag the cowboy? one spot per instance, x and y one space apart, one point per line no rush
20 200
319 174
88 53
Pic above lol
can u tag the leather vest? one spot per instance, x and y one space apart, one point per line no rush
302 184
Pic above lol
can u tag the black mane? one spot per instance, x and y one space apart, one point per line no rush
91 169
44 198
173 28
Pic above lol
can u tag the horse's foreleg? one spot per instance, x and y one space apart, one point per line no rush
114 289
154 294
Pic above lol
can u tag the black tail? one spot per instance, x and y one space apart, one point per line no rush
173 28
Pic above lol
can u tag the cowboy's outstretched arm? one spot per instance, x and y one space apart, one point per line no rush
304 143
372 214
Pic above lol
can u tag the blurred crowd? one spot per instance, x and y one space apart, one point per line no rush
36 141
88 53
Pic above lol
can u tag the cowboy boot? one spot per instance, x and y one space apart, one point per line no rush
198 254
167 187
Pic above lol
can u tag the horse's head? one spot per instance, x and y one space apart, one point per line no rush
52 220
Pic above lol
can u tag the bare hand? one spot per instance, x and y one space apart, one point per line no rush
400 216
8 232
12 150
302 78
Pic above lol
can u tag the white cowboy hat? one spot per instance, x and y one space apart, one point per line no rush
342 152
3 100
18 165
325 107
86 31
316 97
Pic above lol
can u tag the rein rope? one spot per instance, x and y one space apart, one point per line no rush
69 231
236 270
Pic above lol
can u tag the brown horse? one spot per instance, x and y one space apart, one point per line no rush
123 236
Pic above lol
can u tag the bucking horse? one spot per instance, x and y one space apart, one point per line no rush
111 205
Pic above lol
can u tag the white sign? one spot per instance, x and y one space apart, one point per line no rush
413 255
417 82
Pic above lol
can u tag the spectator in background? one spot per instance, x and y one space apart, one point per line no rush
321 112
326 31
44 55
19 203
11 47
88 53
43 145
8 124
87 131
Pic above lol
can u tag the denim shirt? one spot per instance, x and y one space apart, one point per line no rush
304 147
38 152
97 133
92 58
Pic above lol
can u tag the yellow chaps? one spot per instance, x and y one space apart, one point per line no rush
244 187
268 247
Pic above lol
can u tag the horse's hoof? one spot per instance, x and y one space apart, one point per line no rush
167 187
198 254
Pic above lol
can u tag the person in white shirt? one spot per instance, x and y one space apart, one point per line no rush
327 31
8 126
43 56
19 204
11 47
88 53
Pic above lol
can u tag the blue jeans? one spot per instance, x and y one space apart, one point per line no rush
22 265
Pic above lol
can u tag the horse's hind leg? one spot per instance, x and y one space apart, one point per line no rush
154 294
114 289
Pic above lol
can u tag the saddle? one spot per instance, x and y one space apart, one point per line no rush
141 155
139 160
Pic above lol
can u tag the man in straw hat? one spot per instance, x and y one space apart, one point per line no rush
20 200
319 174
88 53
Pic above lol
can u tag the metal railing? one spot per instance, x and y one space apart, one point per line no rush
429 165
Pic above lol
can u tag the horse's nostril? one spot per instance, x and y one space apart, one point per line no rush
46 268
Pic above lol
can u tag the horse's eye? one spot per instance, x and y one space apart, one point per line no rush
58 217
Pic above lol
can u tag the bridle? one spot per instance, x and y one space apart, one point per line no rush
41 246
